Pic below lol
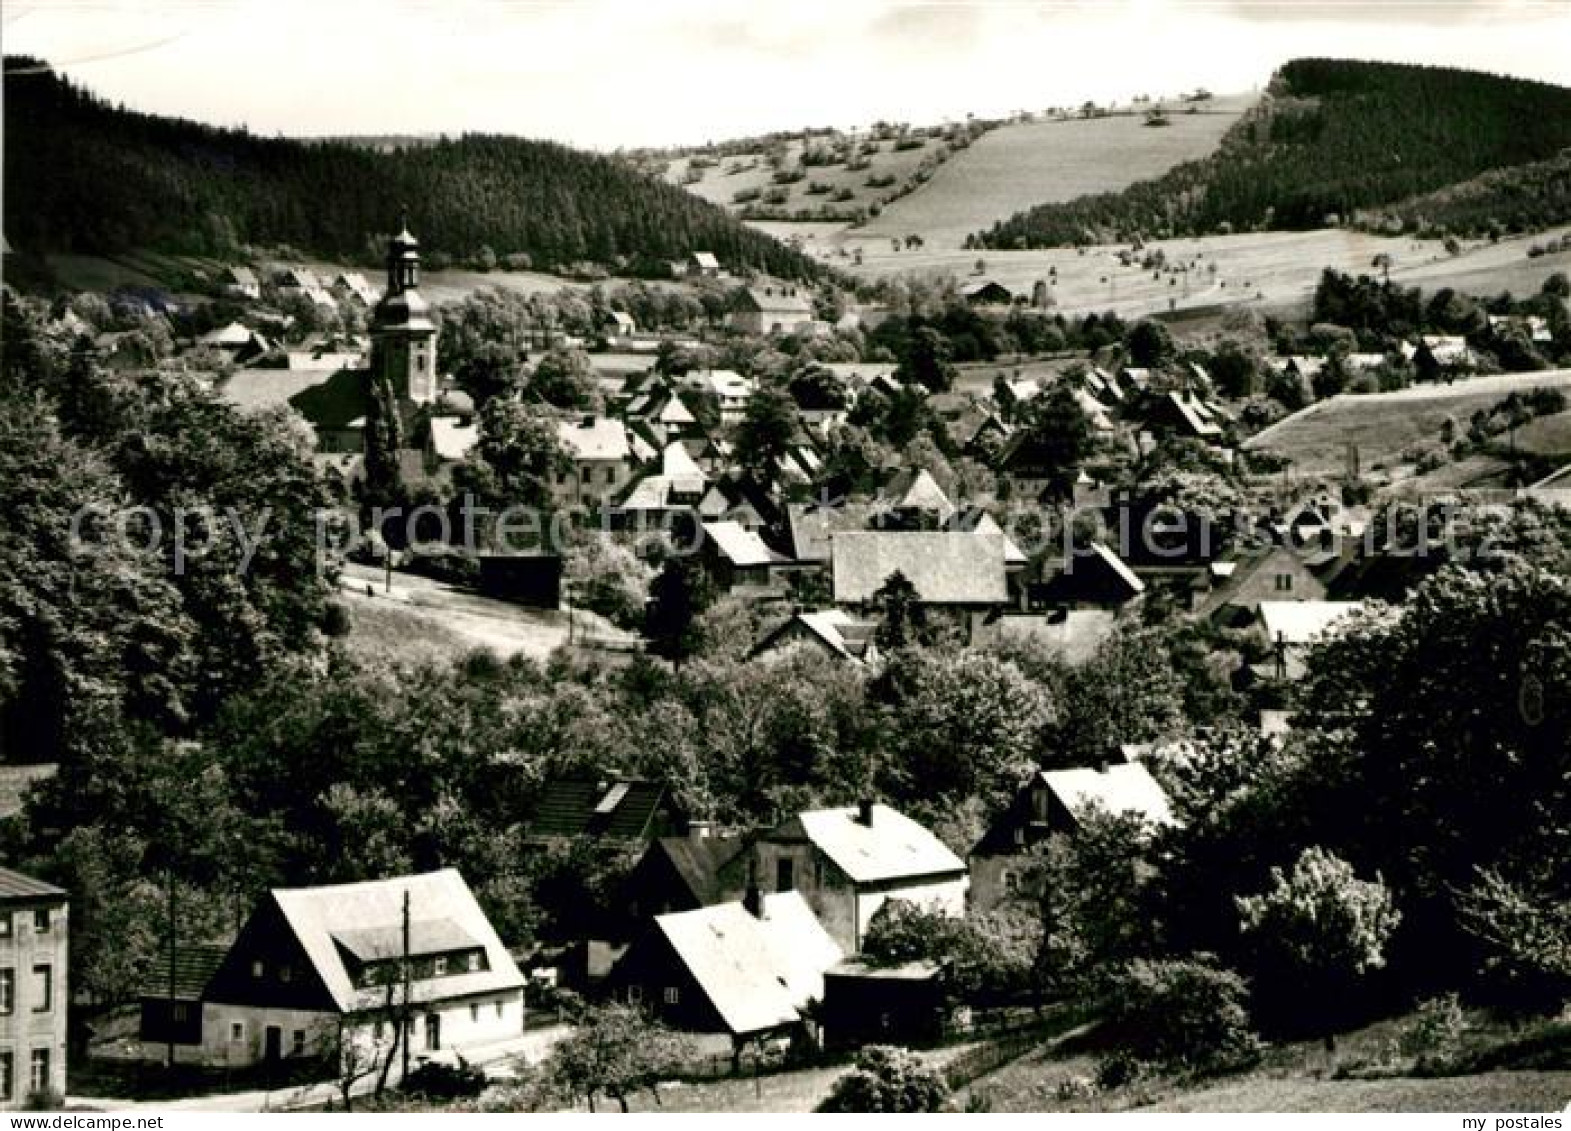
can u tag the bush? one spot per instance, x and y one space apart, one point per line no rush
437 1081
1434 1036
888 1079
1182 1014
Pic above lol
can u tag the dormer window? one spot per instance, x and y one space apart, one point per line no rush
439 966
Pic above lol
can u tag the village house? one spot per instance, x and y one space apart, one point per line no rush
871 1003
737 558
1090 576
847 862
986 292
752 969
832 633
602 460
618 324
731 390
625 809
682 873
314 969
240 282
963 574
1282 573
236 341
35 991
771 308
673 491
702 264
1290 627
1055 802
353 287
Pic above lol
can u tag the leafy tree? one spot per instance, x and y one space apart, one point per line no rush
1096 889
927 360
1317 931
888 1079
521 448
607 578
1127 692
677 596
989 958
1150 344
1056 432
617 1051
384 437
565 379
902 619
763 438
1525 932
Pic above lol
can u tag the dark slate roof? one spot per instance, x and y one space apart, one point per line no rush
195 966
699 861
14 885
622 808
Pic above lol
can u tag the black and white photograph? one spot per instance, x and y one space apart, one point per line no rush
569 557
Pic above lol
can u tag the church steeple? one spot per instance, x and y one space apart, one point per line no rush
403 337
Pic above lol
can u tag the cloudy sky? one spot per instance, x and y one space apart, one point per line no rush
608 73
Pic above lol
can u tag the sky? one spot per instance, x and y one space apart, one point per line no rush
622 73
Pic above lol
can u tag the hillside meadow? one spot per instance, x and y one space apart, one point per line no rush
1014 167
1383 425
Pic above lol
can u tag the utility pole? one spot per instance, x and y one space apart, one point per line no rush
407 1020
169 877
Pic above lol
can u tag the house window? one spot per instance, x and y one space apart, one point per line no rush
258 969
376 1032
38 1080
41 921
474 961
236 1032
7 992
1011 881
44 987
673 995
1284 582
439 966
5 924
785 874
180 1011
298 1043
635 995
7 1076
501 1008
285 974
474 1013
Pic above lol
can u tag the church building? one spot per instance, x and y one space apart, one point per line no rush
403 336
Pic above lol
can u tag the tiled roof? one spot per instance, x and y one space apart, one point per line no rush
699 861
319 915
813 527
946 567
195 965
758 973
622 809
14 885
893 847
1124 787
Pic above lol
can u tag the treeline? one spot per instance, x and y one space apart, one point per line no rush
84 176
1331 137
1522 198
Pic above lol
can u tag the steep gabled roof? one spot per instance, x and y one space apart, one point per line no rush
194 967
915 489
740 546
14 885
1123 787
319 916
758 973
699 862
623 808
892 847
595 438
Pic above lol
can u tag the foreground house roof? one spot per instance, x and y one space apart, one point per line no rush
365 920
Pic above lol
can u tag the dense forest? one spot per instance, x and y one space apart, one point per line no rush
84 176
1522 198
1331 138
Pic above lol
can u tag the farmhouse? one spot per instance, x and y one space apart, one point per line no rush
964 572
847 862
773 308
737 557
751 969
1055 801
312 966
986 292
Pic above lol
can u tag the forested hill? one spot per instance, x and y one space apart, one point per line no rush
1333 138
84 176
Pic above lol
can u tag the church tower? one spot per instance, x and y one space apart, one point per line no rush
403 337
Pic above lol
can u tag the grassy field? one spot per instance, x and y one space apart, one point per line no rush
1017 166
1383 424
1291 1078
